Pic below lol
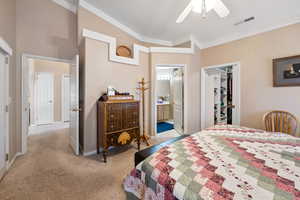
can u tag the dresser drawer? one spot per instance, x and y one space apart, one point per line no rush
114 117
122 138
130 115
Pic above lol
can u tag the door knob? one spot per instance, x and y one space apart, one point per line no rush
76 109
231 106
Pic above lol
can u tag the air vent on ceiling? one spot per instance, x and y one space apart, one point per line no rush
244 21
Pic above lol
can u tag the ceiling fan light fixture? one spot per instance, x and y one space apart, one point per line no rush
204 6
198 5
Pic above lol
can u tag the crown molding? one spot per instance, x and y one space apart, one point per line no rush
5 47
238 36
121 26
67 5
171 50
191 38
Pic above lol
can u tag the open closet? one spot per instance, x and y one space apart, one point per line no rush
218 94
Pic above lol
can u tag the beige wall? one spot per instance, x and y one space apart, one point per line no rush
8 33
192 85
255 54
99 73
58 69
45 29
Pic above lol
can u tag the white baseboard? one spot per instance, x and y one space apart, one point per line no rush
90 153
42 129
13 159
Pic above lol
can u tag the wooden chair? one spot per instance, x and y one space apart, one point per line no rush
280 121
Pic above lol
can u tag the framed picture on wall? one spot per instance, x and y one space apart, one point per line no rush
286 71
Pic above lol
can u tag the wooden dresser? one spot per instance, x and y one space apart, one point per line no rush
118 124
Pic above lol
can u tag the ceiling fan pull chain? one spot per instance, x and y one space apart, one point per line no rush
203 8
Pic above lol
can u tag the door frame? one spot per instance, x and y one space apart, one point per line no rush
24 62
236 85
7 105
154 96
36 99
7 51
62 97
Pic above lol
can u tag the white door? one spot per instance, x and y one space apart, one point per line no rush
66 98
74 95
44 96
178 99
236 95
209 101
3 114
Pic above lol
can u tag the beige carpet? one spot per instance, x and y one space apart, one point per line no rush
49 171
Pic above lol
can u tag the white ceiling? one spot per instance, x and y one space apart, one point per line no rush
156 18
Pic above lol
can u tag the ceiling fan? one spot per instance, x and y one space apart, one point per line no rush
203 7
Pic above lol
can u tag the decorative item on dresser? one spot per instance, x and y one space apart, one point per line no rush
118 123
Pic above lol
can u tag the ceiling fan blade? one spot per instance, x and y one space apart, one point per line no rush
185 13
221 9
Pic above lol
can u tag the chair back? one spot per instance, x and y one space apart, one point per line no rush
280 121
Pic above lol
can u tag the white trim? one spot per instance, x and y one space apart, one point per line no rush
62 96
6 103
101 14
46 129
236 65
136 48
156 41
13 160
238 36
25 58
31 56
121 26
171 50
5 47
195 42
113 46
89 153
154 95
191 37
67 5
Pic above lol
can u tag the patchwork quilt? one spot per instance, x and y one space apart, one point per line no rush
223 162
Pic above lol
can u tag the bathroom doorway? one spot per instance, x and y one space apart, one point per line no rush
169 99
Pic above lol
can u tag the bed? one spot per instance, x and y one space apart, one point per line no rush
223 162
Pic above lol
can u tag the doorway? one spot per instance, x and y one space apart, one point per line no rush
46 97
4 116
169 99
220 95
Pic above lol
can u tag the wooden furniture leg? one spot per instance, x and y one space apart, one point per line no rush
145 139
104 155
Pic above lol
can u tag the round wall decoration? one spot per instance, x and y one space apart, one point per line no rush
123 51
